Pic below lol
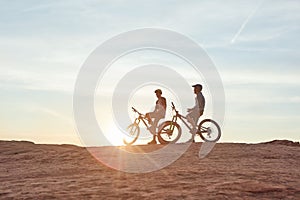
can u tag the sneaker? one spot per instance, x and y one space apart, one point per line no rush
152 142
190 141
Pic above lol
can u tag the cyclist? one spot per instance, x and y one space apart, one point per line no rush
158 113
197 111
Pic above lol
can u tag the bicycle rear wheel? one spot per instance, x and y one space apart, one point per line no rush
209 130
133 131
165 133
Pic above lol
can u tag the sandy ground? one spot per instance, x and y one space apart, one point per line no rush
230 171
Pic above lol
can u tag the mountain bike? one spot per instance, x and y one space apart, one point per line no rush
208 129
134 129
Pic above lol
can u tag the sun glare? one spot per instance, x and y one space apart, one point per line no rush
114 136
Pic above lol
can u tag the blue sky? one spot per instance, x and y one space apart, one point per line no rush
254 45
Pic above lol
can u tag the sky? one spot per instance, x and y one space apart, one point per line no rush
253 44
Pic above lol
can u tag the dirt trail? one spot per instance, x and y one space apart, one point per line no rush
230 171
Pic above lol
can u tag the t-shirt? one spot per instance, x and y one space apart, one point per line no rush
161 103
200 101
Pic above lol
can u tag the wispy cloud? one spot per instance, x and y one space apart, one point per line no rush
55 114
259 77
30 80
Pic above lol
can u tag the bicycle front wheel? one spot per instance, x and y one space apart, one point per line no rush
169 132
209 130
133 131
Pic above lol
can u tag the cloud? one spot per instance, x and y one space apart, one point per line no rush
55 114
260 77
295 99
30 80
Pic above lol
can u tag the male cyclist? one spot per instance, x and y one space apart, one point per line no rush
197 111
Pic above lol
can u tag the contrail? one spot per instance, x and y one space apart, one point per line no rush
246 22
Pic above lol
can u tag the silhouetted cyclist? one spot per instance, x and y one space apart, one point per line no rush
158 113
197 111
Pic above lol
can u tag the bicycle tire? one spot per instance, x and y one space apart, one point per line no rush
133 133
210 127
165 136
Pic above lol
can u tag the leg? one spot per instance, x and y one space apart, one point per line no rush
148 118
192 118
156 117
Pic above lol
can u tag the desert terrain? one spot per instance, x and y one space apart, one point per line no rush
231 171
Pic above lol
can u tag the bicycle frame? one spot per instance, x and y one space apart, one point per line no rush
183 119
139 119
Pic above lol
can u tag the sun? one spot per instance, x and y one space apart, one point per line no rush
114 135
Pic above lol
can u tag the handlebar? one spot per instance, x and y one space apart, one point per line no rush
135 110
174 108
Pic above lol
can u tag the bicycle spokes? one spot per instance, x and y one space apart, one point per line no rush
170 132
206 130
133 132
167 131
209 130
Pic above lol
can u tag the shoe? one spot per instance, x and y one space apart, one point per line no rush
190 141
152 142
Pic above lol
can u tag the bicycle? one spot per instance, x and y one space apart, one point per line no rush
208 129
134 129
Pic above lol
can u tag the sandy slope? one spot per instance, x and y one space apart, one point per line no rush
230 171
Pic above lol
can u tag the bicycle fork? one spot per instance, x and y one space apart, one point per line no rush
174 120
